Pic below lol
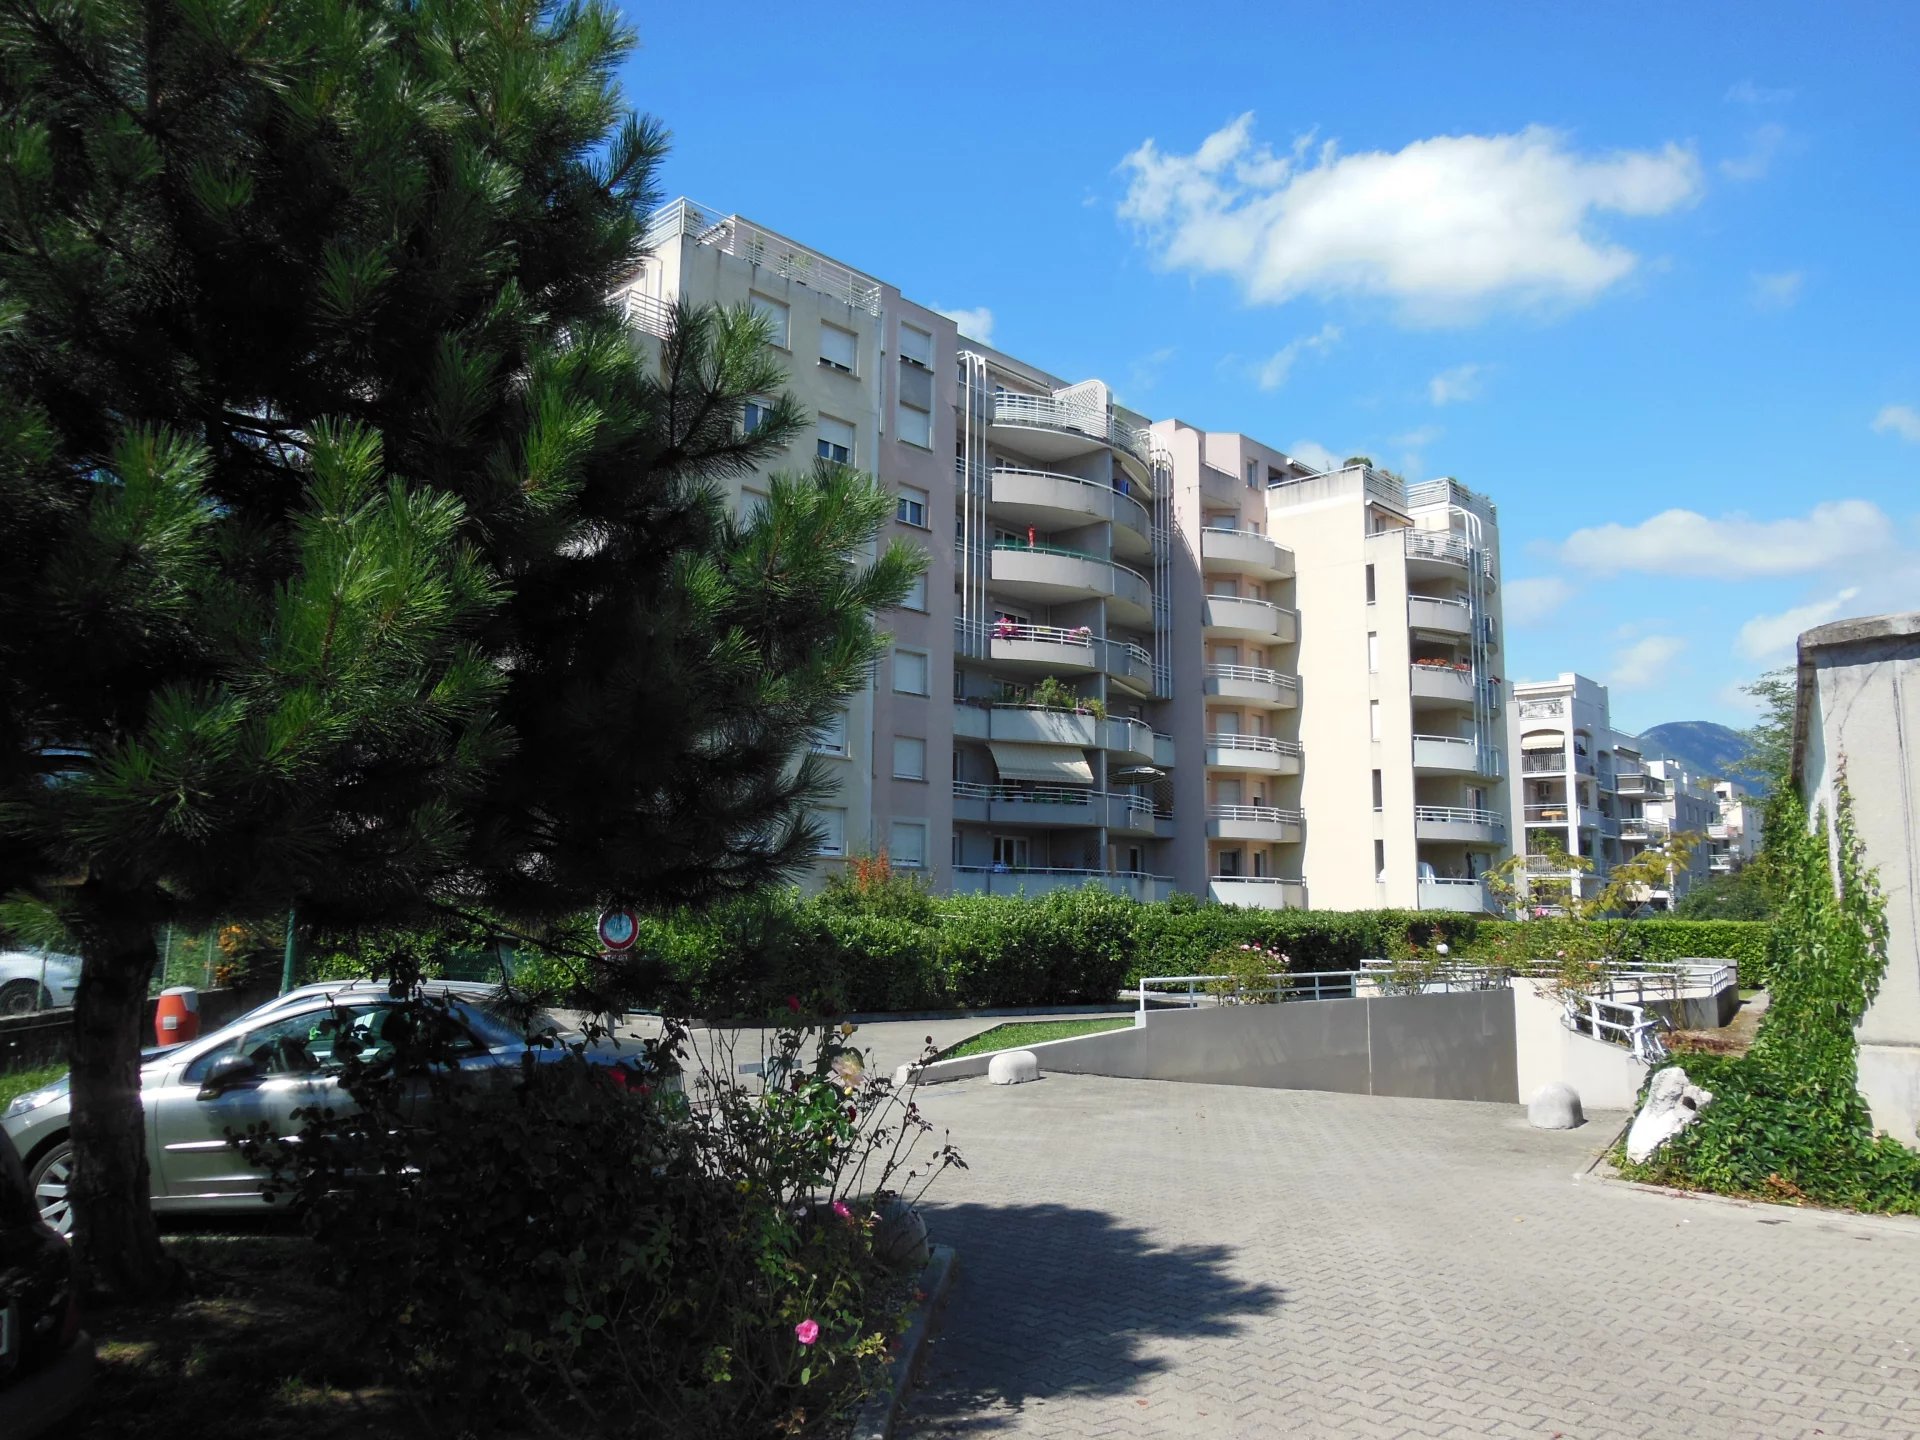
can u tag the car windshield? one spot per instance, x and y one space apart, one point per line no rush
498 1024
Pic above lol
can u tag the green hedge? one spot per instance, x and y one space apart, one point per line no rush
907 951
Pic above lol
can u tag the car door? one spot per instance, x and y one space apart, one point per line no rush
196 1164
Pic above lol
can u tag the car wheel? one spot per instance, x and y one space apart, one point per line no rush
23 997
49 1181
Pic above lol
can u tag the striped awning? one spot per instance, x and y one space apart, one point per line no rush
1048 764
1546 740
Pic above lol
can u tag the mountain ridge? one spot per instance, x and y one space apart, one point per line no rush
1705 747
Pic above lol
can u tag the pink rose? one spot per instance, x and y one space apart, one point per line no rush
806 1332
840 1209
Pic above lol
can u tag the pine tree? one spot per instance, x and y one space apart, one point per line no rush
354 558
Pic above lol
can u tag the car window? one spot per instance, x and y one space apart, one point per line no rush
302 1044
496 1026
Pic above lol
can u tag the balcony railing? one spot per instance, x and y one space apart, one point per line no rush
648 315
1457 753
1468 896
1260 892
1253 674
1052 413
1458 817
1285 622
1006 880
1434 612
1543 709
1088 497
972 640
1262 744
1546 814
1256 814
1543 762
733 236
1437 545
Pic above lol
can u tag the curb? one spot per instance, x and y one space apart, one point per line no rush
879 1413
1600 1171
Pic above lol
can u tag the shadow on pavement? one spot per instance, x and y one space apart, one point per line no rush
1053 1300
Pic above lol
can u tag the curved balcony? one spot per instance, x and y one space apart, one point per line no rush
1037 649
1053 574
1128 665
1252 619
1452 755
1458 824
1051 501
1128 741
1129 814
1443 684
1261 754
1445 617
1434 554
1051 428
1227 551
1258 892
1253 685
1261 824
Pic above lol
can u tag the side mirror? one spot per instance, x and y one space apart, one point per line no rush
229 1072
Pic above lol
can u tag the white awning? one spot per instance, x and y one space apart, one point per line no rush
1049 764
1544 740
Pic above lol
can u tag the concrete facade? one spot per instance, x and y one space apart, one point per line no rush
1858 716
1215 615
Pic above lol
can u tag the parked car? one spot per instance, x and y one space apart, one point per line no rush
33 980
263 1066
46 1359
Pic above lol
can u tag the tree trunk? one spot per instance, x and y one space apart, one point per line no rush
114 1237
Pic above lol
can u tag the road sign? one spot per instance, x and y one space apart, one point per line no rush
619 928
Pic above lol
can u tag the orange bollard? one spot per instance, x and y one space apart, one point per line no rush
178 1018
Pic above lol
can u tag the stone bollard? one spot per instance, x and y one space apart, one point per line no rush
1013 1067
1555 1106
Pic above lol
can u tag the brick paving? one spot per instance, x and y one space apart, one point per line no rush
1147 1259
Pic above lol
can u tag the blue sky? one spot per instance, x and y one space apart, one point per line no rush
1646 275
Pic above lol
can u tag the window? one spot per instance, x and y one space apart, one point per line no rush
1380 861
1229 863
910 508
1369 584
916 347
835 441
755 415
909 758
1373 652
1373 718
907 846
774 312
1253 474
1010 852
750 503
914 425
910 672
916 594
833 830
831 738
1379 792
839 349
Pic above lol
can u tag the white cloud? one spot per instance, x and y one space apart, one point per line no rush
976 324
1533 600
1450 387
1310 452
1901 420
1733 698
1779 290
1144 373
1763 145
1278 366
1685 543
1746 92
1643 664
1768 637
1449 227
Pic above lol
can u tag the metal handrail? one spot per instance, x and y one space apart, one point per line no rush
1053 635
1458 814
734 236
647 314
1040 547
1011 407
1266 744
1259 673
1413 600
1308 985
1438 545
1256 600
1094 485
1265 814
1465 740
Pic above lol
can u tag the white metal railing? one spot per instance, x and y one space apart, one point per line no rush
1385 487
1264 744
1017 873
1459 815
1449 492
1259 674
649 315
1438 545
1105 492
1308 985
1262 814
1617 1022
1543 762
1052 635
1459 882
1094 421
1073 796
734 236
1634 828
1459 741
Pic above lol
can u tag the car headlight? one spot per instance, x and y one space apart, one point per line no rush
33 1100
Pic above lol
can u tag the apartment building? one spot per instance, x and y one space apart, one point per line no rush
1588 790
1733 835
1144 655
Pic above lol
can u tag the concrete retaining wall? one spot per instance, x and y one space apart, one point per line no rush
1606 1077
1443 1047
29 1041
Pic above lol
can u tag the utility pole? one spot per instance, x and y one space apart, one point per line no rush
286 964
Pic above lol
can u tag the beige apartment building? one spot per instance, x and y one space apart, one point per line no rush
1144 656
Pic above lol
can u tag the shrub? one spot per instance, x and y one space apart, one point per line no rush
574 1250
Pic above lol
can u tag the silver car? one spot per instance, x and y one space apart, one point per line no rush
33 980
261 1068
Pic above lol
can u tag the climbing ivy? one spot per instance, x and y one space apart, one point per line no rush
1787 1122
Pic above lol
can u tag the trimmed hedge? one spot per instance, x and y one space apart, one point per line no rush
838 953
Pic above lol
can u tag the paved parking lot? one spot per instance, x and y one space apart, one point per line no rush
1148 1259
